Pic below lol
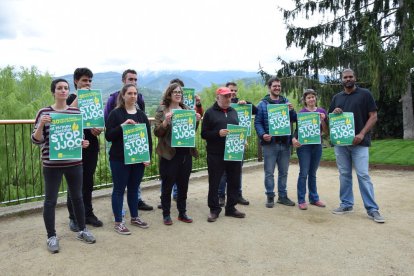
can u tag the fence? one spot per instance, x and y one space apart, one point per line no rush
21 178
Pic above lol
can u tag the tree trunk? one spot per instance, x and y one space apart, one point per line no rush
407 107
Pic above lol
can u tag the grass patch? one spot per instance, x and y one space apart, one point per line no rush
390 151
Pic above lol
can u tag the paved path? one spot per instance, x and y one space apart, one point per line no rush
279 241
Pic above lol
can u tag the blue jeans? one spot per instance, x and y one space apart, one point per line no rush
309 158
276 154
346 156
125 176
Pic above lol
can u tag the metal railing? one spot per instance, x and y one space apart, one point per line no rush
21 178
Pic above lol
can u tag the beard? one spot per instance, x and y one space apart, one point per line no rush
348 84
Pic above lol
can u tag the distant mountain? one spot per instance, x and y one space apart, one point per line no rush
153 83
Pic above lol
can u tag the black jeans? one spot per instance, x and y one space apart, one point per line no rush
89 160
177 170
53 178
216 167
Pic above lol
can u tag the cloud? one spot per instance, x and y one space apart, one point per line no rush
7 25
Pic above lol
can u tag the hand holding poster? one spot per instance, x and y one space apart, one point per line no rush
183 125
279 121
244 112
91 107
65 136
235 142
341 128
189 97
309 128
136 146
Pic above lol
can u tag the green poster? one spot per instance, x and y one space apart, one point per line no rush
279 122
136 146
183 124
91 107
342 128
244 112
309 128
235 141
189 97
65 136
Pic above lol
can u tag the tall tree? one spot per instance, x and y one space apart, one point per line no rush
373 37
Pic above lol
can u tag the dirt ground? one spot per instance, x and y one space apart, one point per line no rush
279 241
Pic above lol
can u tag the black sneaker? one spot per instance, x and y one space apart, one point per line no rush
285 201
185 218
241 200
144 207
73 226
222 201
94 221
270 203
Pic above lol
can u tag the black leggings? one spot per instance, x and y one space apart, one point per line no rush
53 178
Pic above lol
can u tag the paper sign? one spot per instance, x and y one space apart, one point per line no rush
235 142
183 124
279 122
65 137
342 128
91 107
309 128
244 112
189 97
136 146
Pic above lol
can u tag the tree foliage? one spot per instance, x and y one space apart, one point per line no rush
373 37
23 92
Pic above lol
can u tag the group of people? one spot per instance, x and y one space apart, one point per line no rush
127 106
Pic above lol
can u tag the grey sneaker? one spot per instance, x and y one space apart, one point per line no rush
139 222
270 203
285 201
53 244
342 210
73 226
86 236
375 215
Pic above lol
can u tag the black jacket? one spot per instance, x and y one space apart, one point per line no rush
215 119
114 131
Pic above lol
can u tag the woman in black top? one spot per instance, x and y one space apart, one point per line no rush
125 176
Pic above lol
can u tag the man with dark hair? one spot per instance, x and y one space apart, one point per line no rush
360 102
82 78
177 80
129 76
222 188
276 149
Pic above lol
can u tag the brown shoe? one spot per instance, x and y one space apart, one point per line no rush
236 214
212 217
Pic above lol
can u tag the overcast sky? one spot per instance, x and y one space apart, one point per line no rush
105 35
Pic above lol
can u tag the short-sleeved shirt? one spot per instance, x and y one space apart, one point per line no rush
361 103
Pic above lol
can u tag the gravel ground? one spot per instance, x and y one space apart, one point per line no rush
278 241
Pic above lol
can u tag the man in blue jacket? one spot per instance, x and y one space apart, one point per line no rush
276 149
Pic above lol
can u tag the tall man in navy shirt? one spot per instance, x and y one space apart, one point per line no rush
360 102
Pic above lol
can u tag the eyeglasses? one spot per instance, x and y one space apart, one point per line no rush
177 93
